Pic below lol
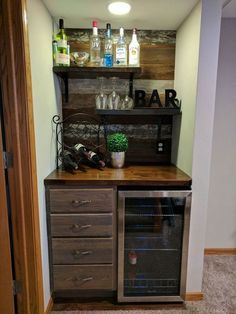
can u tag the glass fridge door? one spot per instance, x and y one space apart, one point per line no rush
153 228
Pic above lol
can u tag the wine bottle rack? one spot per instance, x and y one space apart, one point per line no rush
78 128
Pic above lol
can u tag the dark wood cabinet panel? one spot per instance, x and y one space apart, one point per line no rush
82 238
80 201
83 235
82 251
83 277
78 225
129 175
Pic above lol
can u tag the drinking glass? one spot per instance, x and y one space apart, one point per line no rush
127 103
114 97
101 98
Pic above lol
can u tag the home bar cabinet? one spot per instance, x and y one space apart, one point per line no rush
119 232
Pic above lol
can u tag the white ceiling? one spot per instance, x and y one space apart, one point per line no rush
145 14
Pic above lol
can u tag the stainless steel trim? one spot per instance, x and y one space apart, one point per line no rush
185 245
121 210
151 299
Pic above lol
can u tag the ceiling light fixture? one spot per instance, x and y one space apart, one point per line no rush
119 8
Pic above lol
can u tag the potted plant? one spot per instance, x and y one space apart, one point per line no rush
117 144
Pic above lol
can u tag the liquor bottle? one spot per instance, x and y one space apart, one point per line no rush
95 46
68 161
108 52
121 49
62 49
134 50
94 158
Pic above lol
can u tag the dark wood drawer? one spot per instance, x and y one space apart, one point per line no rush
83 277
82 225
82 251
81 200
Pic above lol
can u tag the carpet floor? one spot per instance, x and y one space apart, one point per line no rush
219 289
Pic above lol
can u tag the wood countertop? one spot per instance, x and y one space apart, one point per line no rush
129 175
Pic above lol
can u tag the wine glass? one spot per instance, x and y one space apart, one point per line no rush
101 98
114 97
128 102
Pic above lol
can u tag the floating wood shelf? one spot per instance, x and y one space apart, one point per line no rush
94 72
87 72
140 111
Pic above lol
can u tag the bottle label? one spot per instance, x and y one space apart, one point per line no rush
78 146
121 55
62 58
95 44
92 154
133 56
108 60
62 43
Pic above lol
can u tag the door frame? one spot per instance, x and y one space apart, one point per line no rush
6 276
20 142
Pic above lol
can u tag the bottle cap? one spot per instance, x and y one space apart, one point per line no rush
108 26
95 24
61 23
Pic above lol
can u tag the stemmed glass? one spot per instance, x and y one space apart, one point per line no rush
128 102
114 97
101 98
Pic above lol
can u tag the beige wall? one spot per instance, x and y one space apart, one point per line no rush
195 81
203 135
45 104
186 70
221 216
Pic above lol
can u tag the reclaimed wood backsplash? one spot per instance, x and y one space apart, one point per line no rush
157 64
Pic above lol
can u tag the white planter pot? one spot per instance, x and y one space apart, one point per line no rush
117 159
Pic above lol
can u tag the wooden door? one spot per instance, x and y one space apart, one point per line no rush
6 279
15 77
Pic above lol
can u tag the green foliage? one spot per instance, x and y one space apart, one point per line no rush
117 142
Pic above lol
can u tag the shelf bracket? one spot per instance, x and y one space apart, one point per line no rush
131 79
66 84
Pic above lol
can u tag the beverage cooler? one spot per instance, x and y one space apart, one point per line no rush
153 230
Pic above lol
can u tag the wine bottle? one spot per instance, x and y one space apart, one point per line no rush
96 159
121 49
81 150
62 49
134 50
54 52
108 52
95 46
68 161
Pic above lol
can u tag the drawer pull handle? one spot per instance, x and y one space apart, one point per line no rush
79 228
77 203
77 253
87 279
79 281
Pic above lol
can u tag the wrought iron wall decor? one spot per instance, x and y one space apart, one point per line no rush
79 128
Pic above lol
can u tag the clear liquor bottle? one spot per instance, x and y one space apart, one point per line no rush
108 49
95 46
134 50
121 49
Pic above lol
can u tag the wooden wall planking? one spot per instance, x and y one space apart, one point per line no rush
157 65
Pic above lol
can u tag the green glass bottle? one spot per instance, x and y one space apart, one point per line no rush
62 50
